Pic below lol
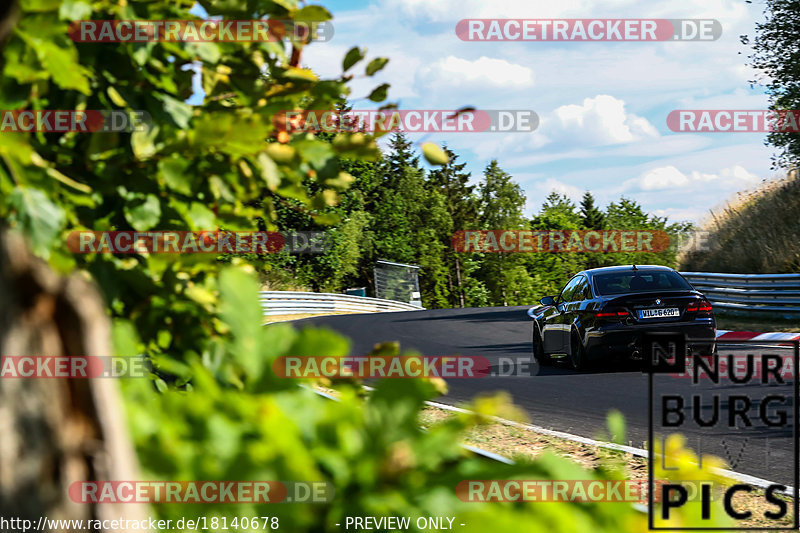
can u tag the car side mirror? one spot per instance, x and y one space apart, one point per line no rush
548 300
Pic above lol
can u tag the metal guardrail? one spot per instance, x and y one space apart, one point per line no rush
294 303
749 292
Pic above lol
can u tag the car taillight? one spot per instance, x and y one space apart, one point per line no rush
612 313
704 306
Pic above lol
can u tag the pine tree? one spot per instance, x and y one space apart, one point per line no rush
401 157
551 270
591 216
453 183
502 202
501 199
392 202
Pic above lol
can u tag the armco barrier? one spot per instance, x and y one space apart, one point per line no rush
294 303
776 293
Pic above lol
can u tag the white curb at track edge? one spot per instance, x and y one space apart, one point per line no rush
724 334
639 452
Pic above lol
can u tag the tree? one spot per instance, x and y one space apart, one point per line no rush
551 271
557 212
501 205
628 214
776 53
453 184
400 158
394 201
591 216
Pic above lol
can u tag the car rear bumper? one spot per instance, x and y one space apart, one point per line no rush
622 340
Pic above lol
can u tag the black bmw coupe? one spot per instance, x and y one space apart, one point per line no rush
602 313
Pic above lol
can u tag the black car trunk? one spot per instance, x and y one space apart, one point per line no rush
657 306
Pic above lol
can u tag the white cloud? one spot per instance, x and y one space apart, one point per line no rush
485 72
597 128
537 190
669 177
543 188
683 188
602 105
599 120
735 17
669 145
446 10
662 178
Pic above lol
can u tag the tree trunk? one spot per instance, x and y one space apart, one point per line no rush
459 283
55 432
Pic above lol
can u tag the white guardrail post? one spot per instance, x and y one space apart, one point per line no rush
295 303
775 293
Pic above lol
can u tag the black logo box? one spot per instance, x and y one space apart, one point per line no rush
666 353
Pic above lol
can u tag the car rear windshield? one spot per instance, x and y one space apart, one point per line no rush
623 282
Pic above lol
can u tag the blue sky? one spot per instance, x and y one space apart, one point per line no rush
603 105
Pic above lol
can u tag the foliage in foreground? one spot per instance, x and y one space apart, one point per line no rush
226 163
372 451
225 416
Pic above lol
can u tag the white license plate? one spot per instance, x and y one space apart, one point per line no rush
659 313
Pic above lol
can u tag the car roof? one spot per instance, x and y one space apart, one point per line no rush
627 268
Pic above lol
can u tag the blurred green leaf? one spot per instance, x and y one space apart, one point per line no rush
37 216
241 311
380 93
376 65
71 10
616 426
143 212
312 13
180 112
353 56
202 217
269 171
143 142
434 154
125 339
174 170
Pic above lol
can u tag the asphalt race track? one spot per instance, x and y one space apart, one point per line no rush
562 399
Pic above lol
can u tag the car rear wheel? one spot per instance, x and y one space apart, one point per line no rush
577 355
538 349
